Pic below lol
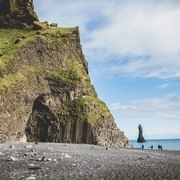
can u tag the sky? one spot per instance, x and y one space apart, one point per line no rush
133 51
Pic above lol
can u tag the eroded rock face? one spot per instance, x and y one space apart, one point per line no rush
46 125
45 91
50 97
17 14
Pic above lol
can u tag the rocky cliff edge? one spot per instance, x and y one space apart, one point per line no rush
45 91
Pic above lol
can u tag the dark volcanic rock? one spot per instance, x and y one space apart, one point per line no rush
140 136
17 14
45 91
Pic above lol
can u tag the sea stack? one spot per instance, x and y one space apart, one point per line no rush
140 135
46 93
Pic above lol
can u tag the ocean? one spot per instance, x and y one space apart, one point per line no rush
167 144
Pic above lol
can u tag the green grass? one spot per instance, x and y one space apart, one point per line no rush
71 75
12 40
8 47
11 80
93 108
59 35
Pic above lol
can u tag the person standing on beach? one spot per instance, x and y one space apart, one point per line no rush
160 147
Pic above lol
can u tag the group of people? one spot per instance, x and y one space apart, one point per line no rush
151 147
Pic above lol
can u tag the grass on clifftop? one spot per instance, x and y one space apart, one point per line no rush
12 40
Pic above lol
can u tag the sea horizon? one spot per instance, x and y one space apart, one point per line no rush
167 144
157 139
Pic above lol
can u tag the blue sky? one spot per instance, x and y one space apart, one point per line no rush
133 51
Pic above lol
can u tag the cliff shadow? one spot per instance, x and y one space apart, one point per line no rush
44 125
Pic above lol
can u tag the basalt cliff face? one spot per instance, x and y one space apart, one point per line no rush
45 91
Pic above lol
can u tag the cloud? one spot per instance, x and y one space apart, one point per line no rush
144 67
144 33
160 117
138 27
127 38
165 85
164 108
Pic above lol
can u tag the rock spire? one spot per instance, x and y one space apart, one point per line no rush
140 136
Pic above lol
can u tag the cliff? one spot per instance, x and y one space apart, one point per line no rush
17 14
45 91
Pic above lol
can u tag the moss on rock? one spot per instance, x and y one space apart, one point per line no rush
9 48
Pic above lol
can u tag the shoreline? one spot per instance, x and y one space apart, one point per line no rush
165 144
21 160
146 149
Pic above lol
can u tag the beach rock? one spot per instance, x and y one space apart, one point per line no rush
44 158
35 167
32 177
30 165
30 153
29 147
12 147
39 159
49 159
65 155
13 158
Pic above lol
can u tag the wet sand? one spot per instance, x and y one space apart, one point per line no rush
44 161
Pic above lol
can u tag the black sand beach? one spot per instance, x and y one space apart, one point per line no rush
44 161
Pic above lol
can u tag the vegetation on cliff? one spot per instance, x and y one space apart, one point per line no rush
45 90
14 39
